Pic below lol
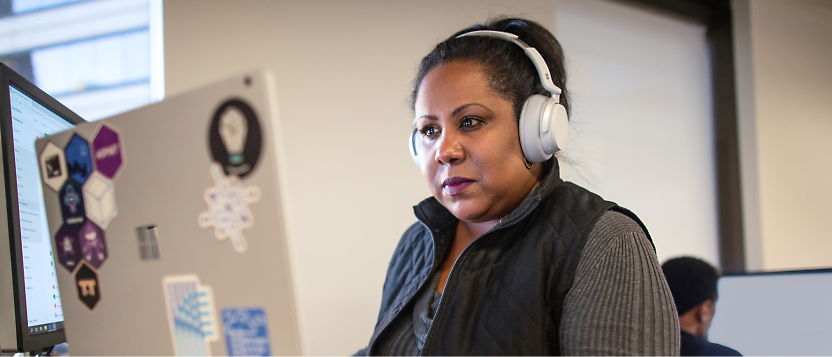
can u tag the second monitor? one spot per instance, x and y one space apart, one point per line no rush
31 313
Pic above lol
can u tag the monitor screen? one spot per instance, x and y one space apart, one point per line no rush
31 315
775 314
31 120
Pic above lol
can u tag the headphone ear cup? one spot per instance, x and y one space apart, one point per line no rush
530 128
412 145
544 128
554 136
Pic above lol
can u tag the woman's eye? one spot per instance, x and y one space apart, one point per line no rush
429 131
469 123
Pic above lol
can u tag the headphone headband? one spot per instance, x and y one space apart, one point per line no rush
543 122
531 52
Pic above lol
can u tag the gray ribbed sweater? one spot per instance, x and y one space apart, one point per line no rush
619 303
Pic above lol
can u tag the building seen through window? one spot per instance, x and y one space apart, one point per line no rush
97 57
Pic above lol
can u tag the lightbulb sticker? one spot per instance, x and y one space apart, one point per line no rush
234 138
233 131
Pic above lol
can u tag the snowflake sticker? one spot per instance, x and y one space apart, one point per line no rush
228 210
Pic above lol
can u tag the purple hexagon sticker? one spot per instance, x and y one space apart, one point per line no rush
106 152
93 246
68 247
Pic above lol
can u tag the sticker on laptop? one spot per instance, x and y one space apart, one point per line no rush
53 168
107 152
191 315
234 137
68 247
72 205
100 199
93 246
79 164
86 282
246 331
228 210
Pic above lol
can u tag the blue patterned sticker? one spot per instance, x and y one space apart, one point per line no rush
78 159
191 316
246 332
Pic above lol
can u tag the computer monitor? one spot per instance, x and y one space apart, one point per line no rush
31 316
775 313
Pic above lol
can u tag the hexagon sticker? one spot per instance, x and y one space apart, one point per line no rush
93 246
68 247
53 167
86 281
78 160
100 199
106 150
72 205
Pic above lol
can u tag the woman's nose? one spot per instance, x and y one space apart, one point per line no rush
449 150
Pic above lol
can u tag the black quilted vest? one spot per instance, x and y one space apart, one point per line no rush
506 290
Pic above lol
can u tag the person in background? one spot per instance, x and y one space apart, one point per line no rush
507 258
693 285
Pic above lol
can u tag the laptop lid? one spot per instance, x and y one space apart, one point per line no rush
168 229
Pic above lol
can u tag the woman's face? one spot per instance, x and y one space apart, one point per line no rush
468 145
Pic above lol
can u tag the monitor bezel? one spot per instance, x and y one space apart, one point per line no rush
776 272
8 77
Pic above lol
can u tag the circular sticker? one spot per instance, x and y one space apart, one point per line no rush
235 138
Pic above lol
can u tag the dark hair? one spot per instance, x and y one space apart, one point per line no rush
691 282
509 71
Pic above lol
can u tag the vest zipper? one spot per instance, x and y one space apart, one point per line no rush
439 310
421 285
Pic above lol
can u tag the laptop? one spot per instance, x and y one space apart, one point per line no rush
167 226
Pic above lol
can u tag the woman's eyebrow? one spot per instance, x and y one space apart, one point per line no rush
426 116
453 113
461 108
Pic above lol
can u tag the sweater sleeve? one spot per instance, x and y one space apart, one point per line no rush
619 303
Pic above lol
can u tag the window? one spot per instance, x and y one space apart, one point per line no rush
98 58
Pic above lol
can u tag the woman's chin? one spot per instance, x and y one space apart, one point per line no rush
468 211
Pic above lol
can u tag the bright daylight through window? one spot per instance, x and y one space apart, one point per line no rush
97 57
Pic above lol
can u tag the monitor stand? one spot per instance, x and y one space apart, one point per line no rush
55 351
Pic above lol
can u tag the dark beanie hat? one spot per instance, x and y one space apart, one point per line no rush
691 281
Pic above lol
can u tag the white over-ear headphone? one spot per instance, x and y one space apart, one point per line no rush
544 126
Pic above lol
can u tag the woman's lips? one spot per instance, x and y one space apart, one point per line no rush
455 185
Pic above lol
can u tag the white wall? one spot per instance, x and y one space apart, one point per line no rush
784 51
344 71
641 124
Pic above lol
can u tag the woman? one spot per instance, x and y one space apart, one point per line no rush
506 258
